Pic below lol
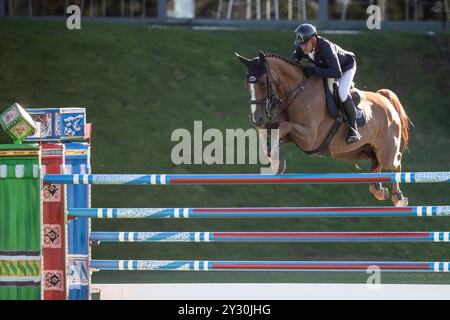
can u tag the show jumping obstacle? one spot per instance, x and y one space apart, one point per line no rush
75 196
200 179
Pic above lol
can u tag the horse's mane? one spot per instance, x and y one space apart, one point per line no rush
277 56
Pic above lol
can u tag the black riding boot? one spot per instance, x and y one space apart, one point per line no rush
350 111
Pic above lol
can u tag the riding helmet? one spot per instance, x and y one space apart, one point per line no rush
303 33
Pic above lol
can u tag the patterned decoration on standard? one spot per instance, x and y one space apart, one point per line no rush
17 123
58 124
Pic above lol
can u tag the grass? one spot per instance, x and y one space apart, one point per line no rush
140 83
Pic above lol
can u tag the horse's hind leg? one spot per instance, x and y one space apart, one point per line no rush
390 159
397 196
377 189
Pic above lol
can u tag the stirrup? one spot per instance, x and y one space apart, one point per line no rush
353 135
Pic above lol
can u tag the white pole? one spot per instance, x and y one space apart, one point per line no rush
386 10
277 9
305 16
248 13
289 9
267 9
382 9
447 9
230 9
258 9
344 10
219 9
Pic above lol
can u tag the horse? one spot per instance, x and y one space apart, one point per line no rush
283 98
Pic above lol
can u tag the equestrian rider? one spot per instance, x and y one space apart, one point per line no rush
331 61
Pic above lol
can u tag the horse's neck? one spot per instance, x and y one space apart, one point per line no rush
310 101
308 110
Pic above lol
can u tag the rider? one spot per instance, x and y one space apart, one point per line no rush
330 61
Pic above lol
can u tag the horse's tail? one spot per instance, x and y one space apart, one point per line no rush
404 119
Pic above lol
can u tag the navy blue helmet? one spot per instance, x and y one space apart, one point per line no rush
303 33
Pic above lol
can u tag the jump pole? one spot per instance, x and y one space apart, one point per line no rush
202 265
236 179
270 236
260 212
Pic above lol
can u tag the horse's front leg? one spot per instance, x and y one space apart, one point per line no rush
277 160
284 129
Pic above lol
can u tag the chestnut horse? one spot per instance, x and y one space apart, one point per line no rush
283 97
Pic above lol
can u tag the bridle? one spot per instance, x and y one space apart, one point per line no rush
271 101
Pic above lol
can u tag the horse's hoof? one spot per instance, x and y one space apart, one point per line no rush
282 166
382 194
403 202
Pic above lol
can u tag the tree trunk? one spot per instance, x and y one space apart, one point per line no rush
92 8
407 10
416 10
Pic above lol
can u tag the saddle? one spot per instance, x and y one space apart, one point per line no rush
334 104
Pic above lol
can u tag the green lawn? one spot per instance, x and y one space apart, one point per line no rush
140 83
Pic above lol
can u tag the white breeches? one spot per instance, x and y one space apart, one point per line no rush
345 83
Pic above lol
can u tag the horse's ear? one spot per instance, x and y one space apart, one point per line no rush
262 57
242 59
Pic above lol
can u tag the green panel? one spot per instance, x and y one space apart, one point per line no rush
20 222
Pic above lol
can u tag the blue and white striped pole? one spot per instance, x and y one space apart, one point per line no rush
203 265
261 212
270 236
236 179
